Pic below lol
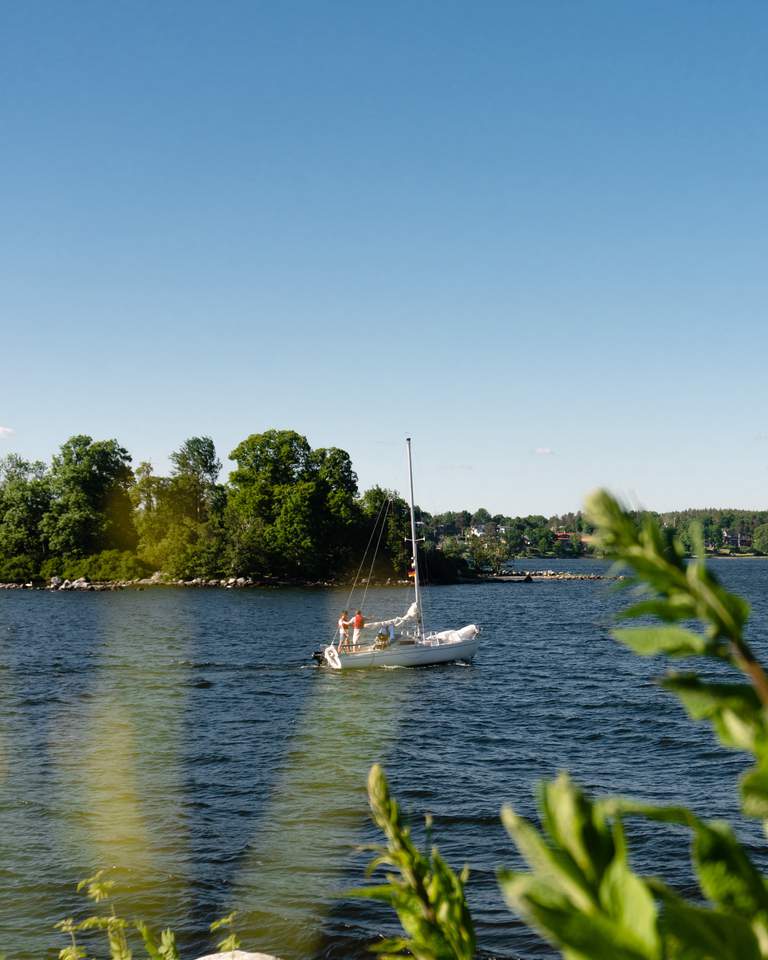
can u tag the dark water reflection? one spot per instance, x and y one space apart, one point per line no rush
183 736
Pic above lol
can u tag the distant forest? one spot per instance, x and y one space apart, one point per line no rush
286 512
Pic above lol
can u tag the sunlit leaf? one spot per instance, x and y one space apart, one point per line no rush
672 641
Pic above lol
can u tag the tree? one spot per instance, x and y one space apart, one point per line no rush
196 470
90 508
180 519
25 498
395 541
760 538
488 553
292 511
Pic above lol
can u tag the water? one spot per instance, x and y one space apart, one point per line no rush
184 736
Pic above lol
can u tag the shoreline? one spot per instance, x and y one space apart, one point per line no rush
244 583
269 583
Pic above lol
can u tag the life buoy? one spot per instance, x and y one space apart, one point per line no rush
332 657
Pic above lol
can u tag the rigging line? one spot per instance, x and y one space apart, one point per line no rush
376 552
426 561
384 503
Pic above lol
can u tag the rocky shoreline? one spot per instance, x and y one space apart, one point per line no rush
531 576
238 583
159 580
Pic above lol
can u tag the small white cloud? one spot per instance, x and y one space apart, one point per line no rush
6 432
543 451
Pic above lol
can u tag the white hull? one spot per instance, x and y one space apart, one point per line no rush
436 648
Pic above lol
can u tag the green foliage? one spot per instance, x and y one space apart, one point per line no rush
107 565
180 519
427 895
25 497
292 511
116 930
760 538
580 891
231 941
396 529
487 553
19 569
90 508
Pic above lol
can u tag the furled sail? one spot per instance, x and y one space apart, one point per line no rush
410 614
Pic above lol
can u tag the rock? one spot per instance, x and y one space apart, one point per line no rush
55 582
157 577
238 955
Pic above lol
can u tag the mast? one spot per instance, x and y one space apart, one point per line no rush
419 620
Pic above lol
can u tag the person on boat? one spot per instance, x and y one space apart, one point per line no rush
344 623
358 622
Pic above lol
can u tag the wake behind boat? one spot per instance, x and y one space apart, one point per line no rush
402 641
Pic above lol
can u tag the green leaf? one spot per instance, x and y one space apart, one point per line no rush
581 936
551 865
150 944
71 953
726 874
576 825
168 948
678 607
627 899
733 708
223 922
695 933
228 943
97 889
672 641
754 793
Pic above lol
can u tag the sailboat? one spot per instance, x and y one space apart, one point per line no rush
403 641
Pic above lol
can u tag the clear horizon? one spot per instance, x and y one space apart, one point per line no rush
515 232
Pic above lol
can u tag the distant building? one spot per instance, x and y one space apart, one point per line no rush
565 535
736 541
485 530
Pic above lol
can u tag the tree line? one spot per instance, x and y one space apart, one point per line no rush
286 511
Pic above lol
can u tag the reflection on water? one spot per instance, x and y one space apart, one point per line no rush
185 737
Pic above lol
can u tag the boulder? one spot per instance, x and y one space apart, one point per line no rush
238 955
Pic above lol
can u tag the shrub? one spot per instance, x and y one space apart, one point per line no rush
107 565
19 569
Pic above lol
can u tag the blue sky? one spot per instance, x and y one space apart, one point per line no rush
531 235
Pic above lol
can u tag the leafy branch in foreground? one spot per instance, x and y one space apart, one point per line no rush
428 896
580 891
118 929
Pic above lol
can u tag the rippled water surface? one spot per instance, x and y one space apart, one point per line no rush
184 736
